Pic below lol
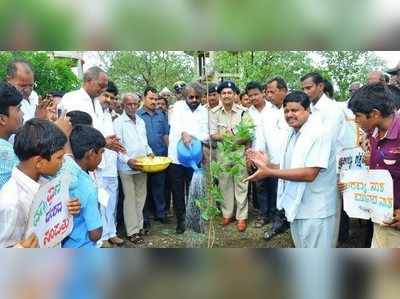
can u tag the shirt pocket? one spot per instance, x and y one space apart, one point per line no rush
391 162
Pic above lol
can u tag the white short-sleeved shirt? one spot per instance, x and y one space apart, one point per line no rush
110 157
183 119
16 199
332 118
28 107
320 196
271 134
133 137
259 116
79 100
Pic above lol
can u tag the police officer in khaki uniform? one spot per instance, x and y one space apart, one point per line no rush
223 120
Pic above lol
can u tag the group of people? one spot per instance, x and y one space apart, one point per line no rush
95 136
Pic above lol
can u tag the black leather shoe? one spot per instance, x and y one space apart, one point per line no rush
162 220
277 228
180 229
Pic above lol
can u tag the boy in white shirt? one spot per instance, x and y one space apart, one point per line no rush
39 146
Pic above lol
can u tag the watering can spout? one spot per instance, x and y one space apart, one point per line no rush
194 166
190 156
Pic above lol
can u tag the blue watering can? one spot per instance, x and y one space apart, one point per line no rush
190 156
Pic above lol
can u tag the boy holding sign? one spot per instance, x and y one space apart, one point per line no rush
374 108
87 146
39 146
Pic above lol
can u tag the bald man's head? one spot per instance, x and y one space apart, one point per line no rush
20 75
131 103
95 81
375 77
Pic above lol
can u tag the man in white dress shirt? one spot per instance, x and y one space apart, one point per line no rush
20 75
271 135
332 118
95 82
304 189
109 172
131 130
189 120
257 111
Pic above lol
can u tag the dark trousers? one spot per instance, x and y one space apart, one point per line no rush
120 208
180 178
155 200
266 196
168 196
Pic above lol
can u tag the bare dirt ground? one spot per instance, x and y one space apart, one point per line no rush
164 236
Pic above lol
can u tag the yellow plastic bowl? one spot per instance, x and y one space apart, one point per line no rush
155 164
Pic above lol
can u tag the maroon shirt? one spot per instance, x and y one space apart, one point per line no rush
385 154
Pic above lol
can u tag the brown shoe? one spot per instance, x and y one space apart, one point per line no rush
116 241
241 225
106 244
225 221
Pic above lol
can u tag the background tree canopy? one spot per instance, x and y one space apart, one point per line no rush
134 70
50 74
341 67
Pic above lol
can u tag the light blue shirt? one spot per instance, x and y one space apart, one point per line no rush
89 217
320 196
72 169
8 160
133 136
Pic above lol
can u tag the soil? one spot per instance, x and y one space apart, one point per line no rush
164 236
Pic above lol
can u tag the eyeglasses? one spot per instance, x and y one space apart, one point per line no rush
194 97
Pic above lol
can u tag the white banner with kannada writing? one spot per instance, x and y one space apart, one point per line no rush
368 194
350 159
49 218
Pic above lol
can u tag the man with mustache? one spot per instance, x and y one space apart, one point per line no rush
188 120
223 121
304 187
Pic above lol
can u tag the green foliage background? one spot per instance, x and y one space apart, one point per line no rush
50 74
134 70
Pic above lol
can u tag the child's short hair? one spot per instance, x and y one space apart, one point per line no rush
85 138
77 117
9 96
373 97
38 137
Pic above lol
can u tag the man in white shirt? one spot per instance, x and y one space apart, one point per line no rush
109 172
271 135
20 75
304 190
332 118
131 130
95 82
257 111
188 120
259 104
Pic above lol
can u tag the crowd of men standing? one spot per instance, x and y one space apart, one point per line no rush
291 159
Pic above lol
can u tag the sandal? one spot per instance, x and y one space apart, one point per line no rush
144 232
136 239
